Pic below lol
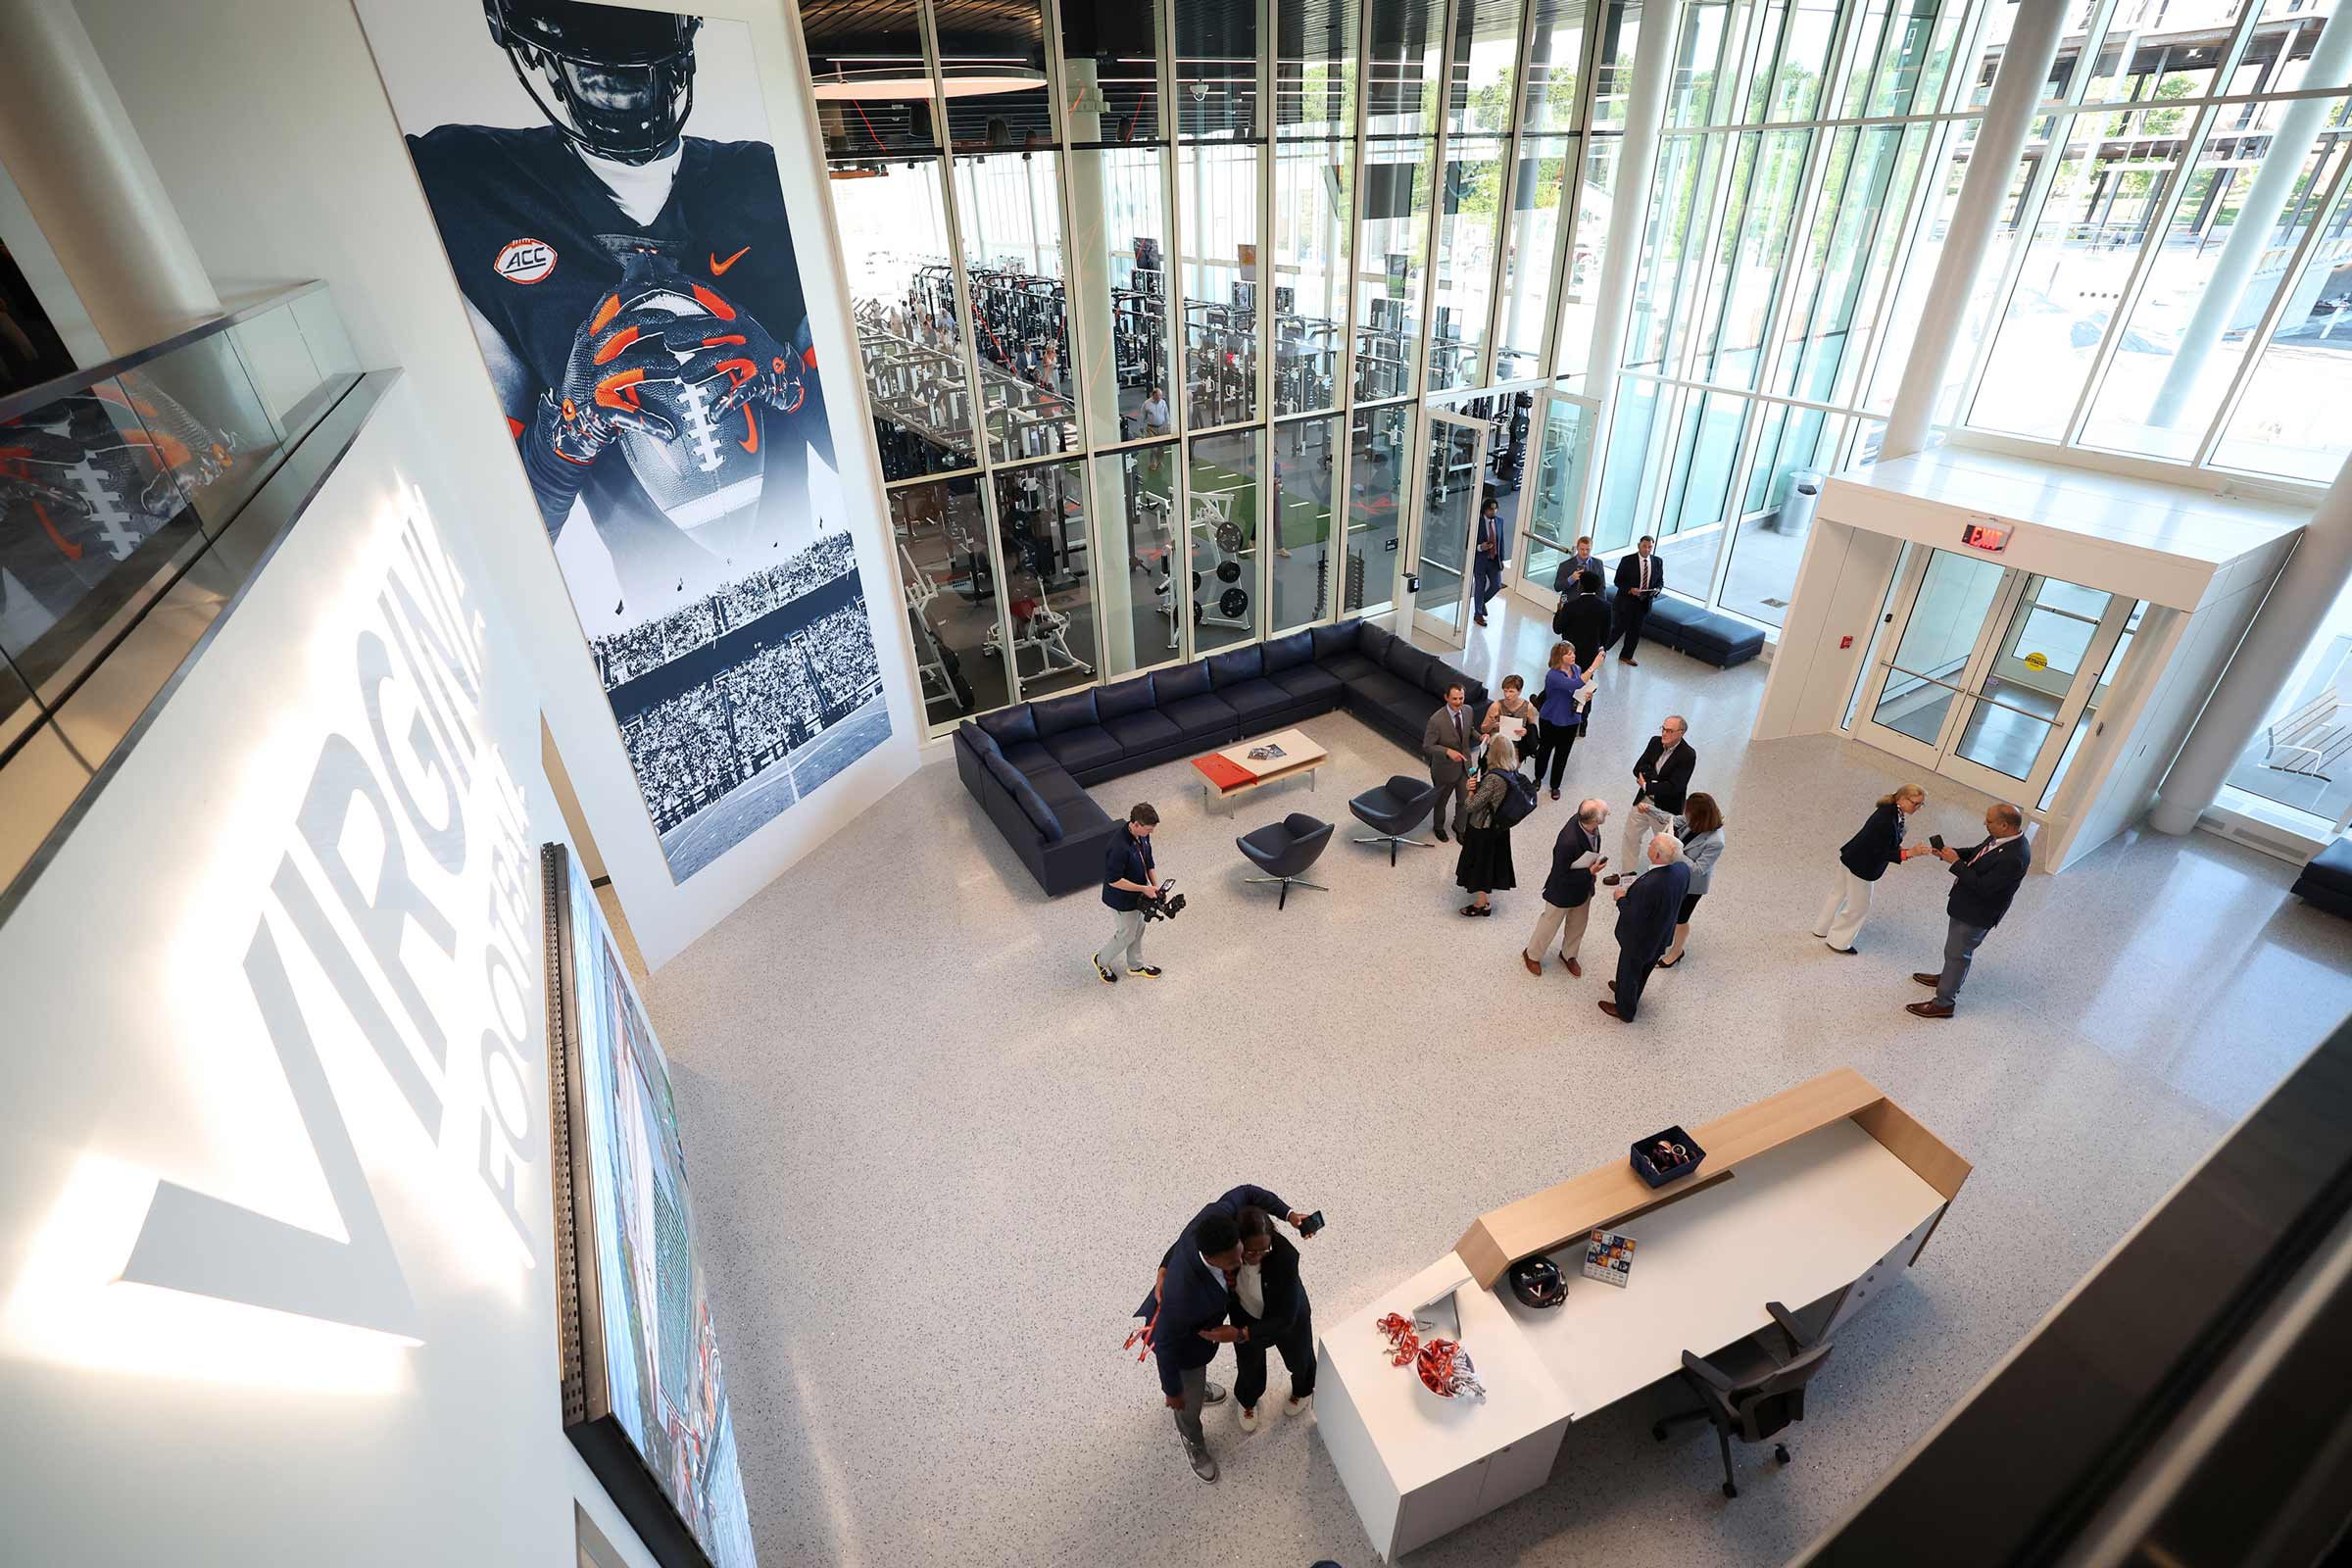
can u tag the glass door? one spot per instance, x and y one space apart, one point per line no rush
1990 671
2012 725
1943 601
1456 480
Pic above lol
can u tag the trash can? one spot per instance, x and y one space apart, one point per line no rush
1795 515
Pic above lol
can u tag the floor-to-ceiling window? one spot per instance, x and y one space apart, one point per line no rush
1785 202
1190 280
2174 280
1154 300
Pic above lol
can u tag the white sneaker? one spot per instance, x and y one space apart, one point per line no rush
1249 1419
1298 1404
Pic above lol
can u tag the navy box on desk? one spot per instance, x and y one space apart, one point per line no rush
1647 1169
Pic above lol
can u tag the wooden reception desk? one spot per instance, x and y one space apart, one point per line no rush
1816 1194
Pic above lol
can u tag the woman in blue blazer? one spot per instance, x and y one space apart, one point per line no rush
1559 716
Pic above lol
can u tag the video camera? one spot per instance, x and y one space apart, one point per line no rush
1163 904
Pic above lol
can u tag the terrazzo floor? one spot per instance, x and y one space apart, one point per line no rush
934 1159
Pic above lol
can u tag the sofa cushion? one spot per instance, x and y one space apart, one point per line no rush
1372 641
1055 715
1174 685
1081 816
1349 667
1203 716
1006 774
1148 731
1390 693
1338 639
1253 700
1033 807
1439 676
1058 789
1127 697
1029 757
1236 665
2326 881
1313 683
981 741
1081 748
1289 653
1009 724
1401 660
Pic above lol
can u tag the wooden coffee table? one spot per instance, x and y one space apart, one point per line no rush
1233 771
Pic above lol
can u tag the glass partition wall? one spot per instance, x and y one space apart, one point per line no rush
1152 297
1214 264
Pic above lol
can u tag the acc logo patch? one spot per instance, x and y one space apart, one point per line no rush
525 261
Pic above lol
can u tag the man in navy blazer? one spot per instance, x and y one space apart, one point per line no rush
1646 914
1983 881
1187 1310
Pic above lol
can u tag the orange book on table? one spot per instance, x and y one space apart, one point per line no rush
1224 772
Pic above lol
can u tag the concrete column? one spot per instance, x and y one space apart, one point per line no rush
1092 346
2026 61
2315 575
1629 204
85 178
2299 125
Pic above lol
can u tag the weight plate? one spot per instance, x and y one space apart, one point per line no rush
1229 536
1229 571
1232 604
1196 582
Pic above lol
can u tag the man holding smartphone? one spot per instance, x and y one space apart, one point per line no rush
1199 1287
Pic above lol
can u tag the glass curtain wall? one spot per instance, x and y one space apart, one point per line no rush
1786 202
1149 296
2173 279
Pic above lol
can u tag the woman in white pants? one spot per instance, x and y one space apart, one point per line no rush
1864 860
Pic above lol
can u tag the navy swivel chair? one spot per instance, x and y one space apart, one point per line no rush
1284 850
1394 809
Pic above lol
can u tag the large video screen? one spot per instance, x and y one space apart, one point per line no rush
645 1400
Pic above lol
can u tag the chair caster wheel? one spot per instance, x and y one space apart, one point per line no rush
1780 1451
1730 1491
1657 1430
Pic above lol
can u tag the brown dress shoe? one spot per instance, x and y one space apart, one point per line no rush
1612 988
1610 1008
1928 1010
1532 967
1576 970
1930 981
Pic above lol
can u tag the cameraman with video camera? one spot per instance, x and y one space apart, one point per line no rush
1128 881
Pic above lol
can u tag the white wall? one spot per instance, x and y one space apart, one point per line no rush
275 1258
270 128
29 248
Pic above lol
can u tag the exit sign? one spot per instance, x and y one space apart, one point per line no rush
1990 537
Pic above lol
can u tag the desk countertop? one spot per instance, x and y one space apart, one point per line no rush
1419 1436
1794 1224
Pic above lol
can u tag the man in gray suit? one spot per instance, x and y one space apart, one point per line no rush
1446 742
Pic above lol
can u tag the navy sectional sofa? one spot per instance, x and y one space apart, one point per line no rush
1028 765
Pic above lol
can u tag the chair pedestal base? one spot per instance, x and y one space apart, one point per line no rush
1660 1427
1391 840
1287 883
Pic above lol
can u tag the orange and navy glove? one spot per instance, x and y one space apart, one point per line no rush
758 369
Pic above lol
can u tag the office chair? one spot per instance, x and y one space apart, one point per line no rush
1285 849
1750 1388
1394 811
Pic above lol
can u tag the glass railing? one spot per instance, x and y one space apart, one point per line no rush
117 484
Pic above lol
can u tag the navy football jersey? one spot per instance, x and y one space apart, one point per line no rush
521 214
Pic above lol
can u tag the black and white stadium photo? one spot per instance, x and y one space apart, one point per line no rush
606 192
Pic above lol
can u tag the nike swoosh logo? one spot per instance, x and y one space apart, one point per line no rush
718 269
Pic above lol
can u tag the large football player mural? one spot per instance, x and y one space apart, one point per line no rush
637 299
